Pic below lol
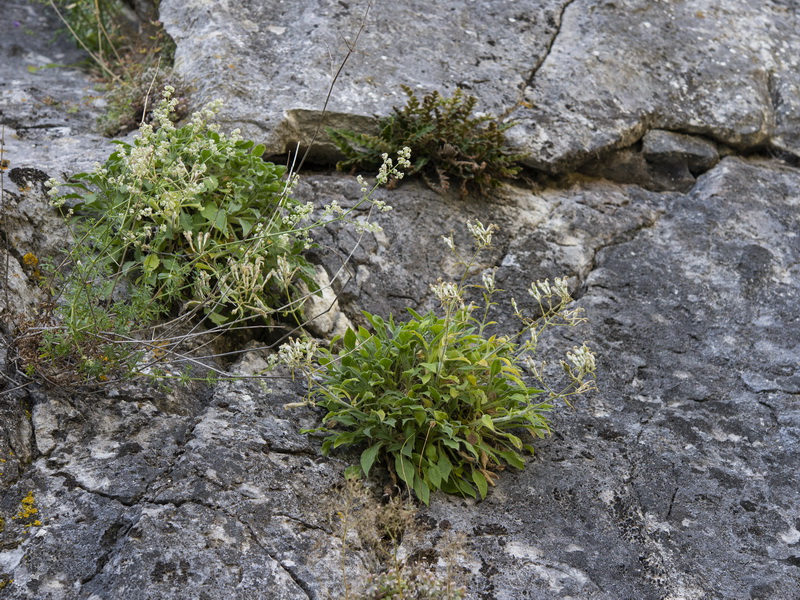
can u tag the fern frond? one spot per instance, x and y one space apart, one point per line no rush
446 142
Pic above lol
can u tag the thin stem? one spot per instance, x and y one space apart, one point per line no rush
97 59
3 209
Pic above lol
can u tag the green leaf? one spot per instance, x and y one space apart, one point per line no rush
217 318
513 439
435 476
451 443
511 458
368 457
480 481
444 466
211 183
352 472
217 217
486 420
350 339
422 490
151 263
496 364
246 226
465 488
404 469
185 221
344 438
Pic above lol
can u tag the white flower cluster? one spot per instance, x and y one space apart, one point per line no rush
481 234
543 290
389 169
488 281
297 214
53 192
583 361
297 353
446 292
363 226
333 209
448 241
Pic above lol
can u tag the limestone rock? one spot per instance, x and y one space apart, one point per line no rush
282 57
677 479
585 76
698 154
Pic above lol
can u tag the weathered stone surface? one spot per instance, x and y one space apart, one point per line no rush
678 479
596 75
698 154
46 116
725 70
281 57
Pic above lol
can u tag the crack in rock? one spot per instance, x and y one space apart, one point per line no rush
535 69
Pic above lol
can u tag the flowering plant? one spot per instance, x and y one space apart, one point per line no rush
184 220
438 399
197 217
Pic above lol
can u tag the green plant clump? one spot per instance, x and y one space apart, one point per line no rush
197 217
446 140
438 399
184 220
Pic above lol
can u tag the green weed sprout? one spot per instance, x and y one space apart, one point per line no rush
446 140
438 399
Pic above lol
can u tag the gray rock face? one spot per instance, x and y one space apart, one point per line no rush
664 146
266 59
586 76
676 480
725 70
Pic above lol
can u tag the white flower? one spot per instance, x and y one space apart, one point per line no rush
333 209
583 359
297 353
381 205
363 226
481 234
540 289
488 281
560 288
445 291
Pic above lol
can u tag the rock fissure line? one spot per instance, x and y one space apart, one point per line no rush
304 587
120 533
309 452
535 69
302 522
671 504
623 237
70 481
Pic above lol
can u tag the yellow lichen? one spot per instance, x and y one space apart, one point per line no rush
27 510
